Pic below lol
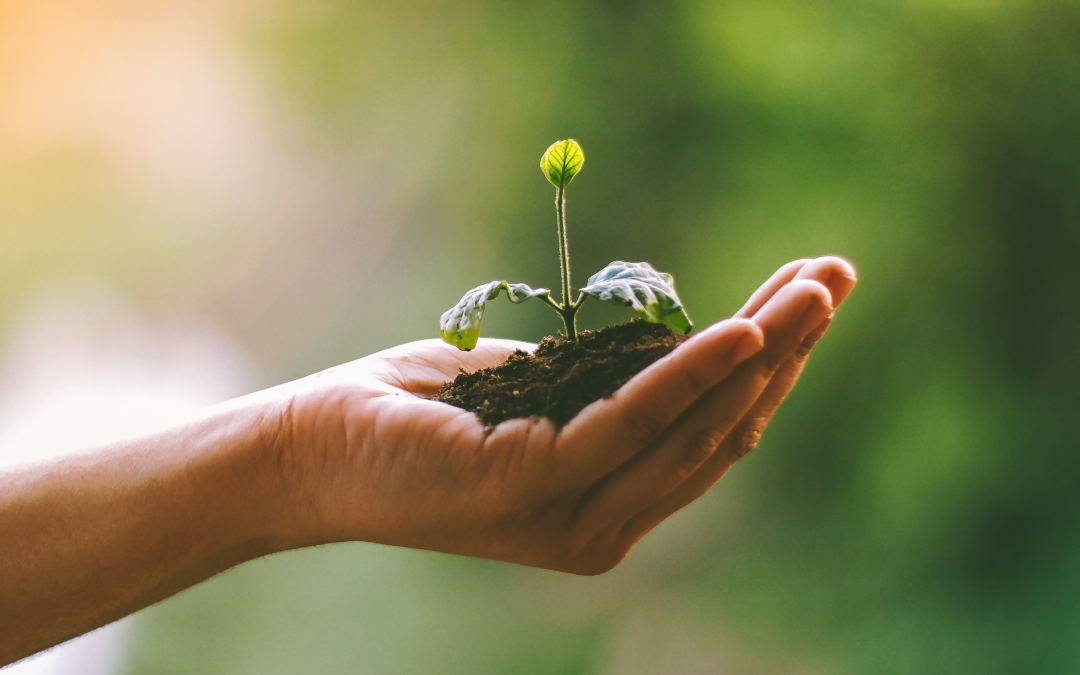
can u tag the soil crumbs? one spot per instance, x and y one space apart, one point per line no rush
561 377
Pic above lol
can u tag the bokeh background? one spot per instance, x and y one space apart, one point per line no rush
199 198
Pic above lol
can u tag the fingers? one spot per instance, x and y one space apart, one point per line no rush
740 441
833 272
748 432
768 289
609 432
789 316
786 319
837 274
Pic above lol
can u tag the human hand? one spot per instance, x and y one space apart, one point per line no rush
366 456
358 453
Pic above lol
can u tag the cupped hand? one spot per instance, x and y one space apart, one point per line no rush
367 456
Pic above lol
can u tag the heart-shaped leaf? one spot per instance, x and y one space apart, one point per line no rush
460 325
562 161
638 285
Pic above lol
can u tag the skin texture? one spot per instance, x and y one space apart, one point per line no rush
356 453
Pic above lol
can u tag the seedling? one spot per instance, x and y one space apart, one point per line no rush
638 285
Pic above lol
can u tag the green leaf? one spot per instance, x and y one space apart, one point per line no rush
460 325
638 285
562 161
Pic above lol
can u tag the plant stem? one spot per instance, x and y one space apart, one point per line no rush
567 310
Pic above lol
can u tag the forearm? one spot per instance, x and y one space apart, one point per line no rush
90 538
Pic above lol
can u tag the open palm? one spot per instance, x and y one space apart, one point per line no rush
369 457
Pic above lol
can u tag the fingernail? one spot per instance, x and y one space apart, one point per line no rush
840 284
748 345
817 312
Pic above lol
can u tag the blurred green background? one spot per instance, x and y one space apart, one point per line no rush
320 180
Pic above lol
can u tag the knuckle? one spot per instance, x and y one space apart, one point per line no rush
803 351
643 427
749 437
809 341
697 381
768 366
700 447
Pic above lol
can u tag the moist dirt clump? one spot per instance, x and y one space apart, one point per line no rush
561 376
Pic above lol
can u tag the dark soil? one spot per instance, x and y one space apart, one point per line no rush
561 377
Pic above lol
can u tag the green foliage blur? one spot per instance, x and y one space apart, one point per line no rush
912 508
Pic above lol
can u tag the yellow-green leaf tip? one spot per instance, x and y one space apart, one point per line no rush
562 161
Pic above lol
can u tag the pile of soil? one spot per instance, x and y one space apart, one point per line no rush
561 377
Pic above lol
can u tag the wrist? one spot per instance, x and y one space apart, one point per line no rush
248 444
153 515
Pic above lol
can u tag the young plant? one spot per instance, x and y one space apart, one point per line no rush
638 285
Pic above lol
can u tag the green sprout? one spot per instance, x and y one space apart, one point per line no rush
650 293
